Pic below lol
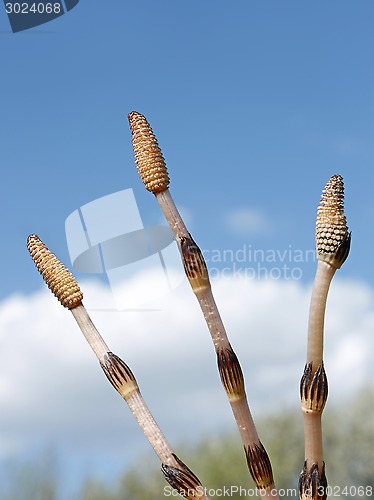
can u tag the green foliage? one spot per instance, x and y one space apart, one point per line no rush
283 438
30 480
349 442
219 461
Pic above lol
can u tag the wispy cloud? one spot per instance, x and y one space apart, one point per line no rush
245 220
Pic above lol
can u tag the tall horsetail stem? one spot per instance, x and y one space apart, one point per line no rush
332 247
66 289
152 169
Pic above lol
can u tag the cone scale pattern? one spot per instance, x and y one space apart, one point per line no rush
332 237
59 280
148 156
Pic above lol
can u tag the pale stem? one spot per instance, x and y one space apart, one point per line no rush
134 399
216 328
66 289
245 421
150 428
212 317
90 332
172 215
322 281
313 439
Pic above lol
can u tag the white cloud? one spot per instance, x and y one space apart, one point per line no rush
52 388
246 220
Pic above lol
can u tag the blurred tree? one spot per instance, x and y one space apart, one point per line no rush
35 479
219 460
349 444
220 463
94 490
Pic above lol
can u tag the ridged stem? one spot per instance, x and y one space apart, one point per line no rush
313 439
212 317
90 331
66 289
314 390
172 215
153 172
332 246
322 281
228 364
150 428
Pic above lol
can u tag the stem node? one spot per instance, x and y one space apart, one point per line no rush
119 374
259 466
313 388
313 483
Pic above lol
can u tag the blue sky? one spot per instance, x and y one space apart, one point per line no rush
255 105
